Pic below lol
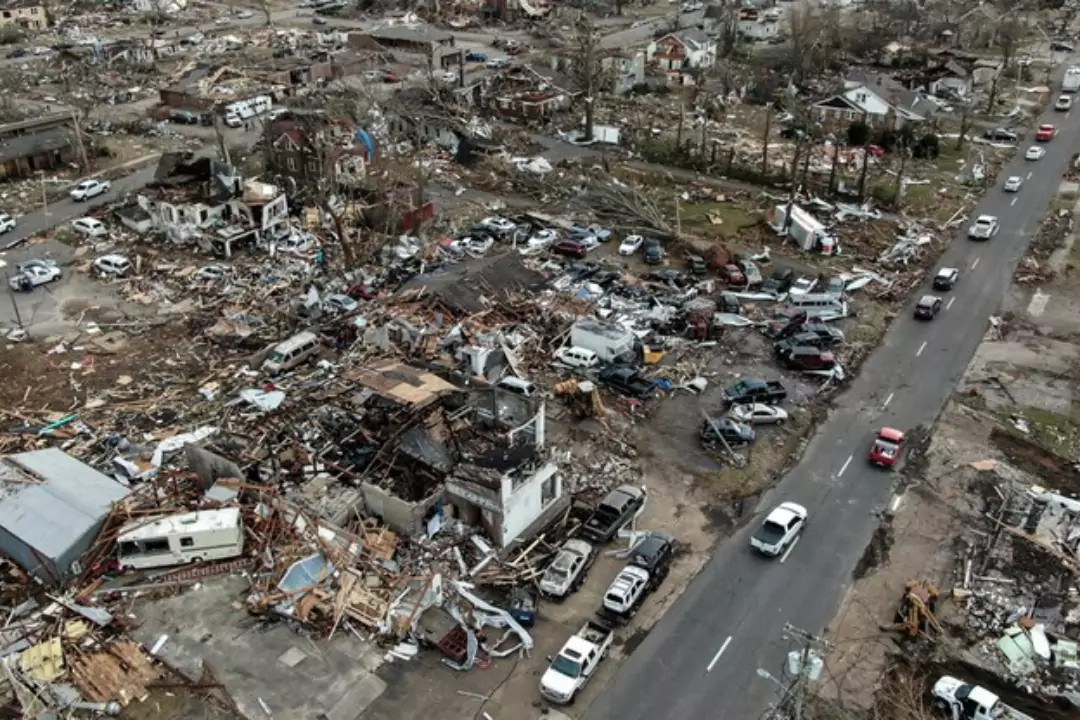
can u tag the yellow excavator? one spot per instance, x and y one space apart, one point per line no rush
916 614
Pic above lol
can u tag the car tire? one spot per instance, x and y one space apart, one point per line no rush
780 421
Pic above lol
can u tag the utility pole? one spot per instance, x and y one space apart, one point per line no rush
803 668
14 303
81 145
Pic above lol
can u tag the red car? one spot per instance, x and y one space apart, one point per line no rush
571 248
1045 133
732 275
886 449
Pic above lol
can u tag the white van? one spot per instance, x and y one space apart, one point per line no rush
287 355
819 305
577 357
186 538
517 386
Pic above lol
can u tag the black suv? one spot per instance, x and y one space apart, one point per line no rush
929 306
653 252
654 555
779 282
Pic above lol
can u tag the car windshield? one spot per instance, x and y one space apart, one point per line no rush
887 449
770 533
555 575
276 357
565 666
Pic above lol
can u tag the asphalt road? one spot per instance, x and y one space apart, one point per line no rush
700 660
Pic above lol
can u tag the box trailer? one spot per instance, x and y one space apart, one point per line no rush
810 234
608 341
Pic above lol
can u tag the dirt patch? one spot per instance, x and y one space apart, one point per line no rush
1030 457
631 643
877 550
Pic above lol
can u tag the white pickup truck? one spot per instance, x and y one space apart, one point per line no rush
571 669
965 701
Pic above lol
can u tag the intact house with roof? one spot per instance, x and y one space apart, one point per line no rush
52 507
861 102
676 54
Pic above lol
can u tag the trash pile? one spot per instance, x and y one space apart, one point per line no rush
1018 598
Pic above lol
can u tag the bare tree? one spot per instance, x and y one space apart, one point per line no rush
1009 35
586 67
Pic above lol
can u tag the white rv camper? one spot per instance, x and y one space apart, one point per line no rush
177 539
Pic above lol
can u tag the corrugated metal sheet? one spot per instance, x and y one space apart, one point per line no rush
49 500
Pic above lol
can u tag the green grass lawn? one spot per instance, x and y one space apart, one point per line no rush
695 218
1057 432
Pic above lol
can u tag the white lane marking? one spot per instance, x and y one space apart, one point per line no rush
718 654
1029 176
921 348
846 463
951 301
791 547
975 264
887 401
896 503
1013 202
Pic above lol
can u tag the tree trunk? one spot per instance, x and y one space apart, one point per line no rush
832 170
862 174
765 143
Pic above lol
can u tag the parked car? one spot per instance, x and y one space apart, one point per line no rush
928 307
7 223
497 63
184 117
733 433
615 511
1062 46
754 390
576 663
318 20
758 414
339 304
654 252
1000 135
695 265
627 381
808 339
474 56
498 225
31 273
779 282
567 571
750 272
542 239
886 448
88 189
807 358
828 335
781 529
946 278
654 554
625 594
669 277
90 227
570 248
577 357
631 244
113 265
732 274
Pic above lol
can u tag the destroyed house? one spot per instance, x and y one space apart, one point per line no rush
31 146
197 199
473 286
51 509
529 92
316 150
